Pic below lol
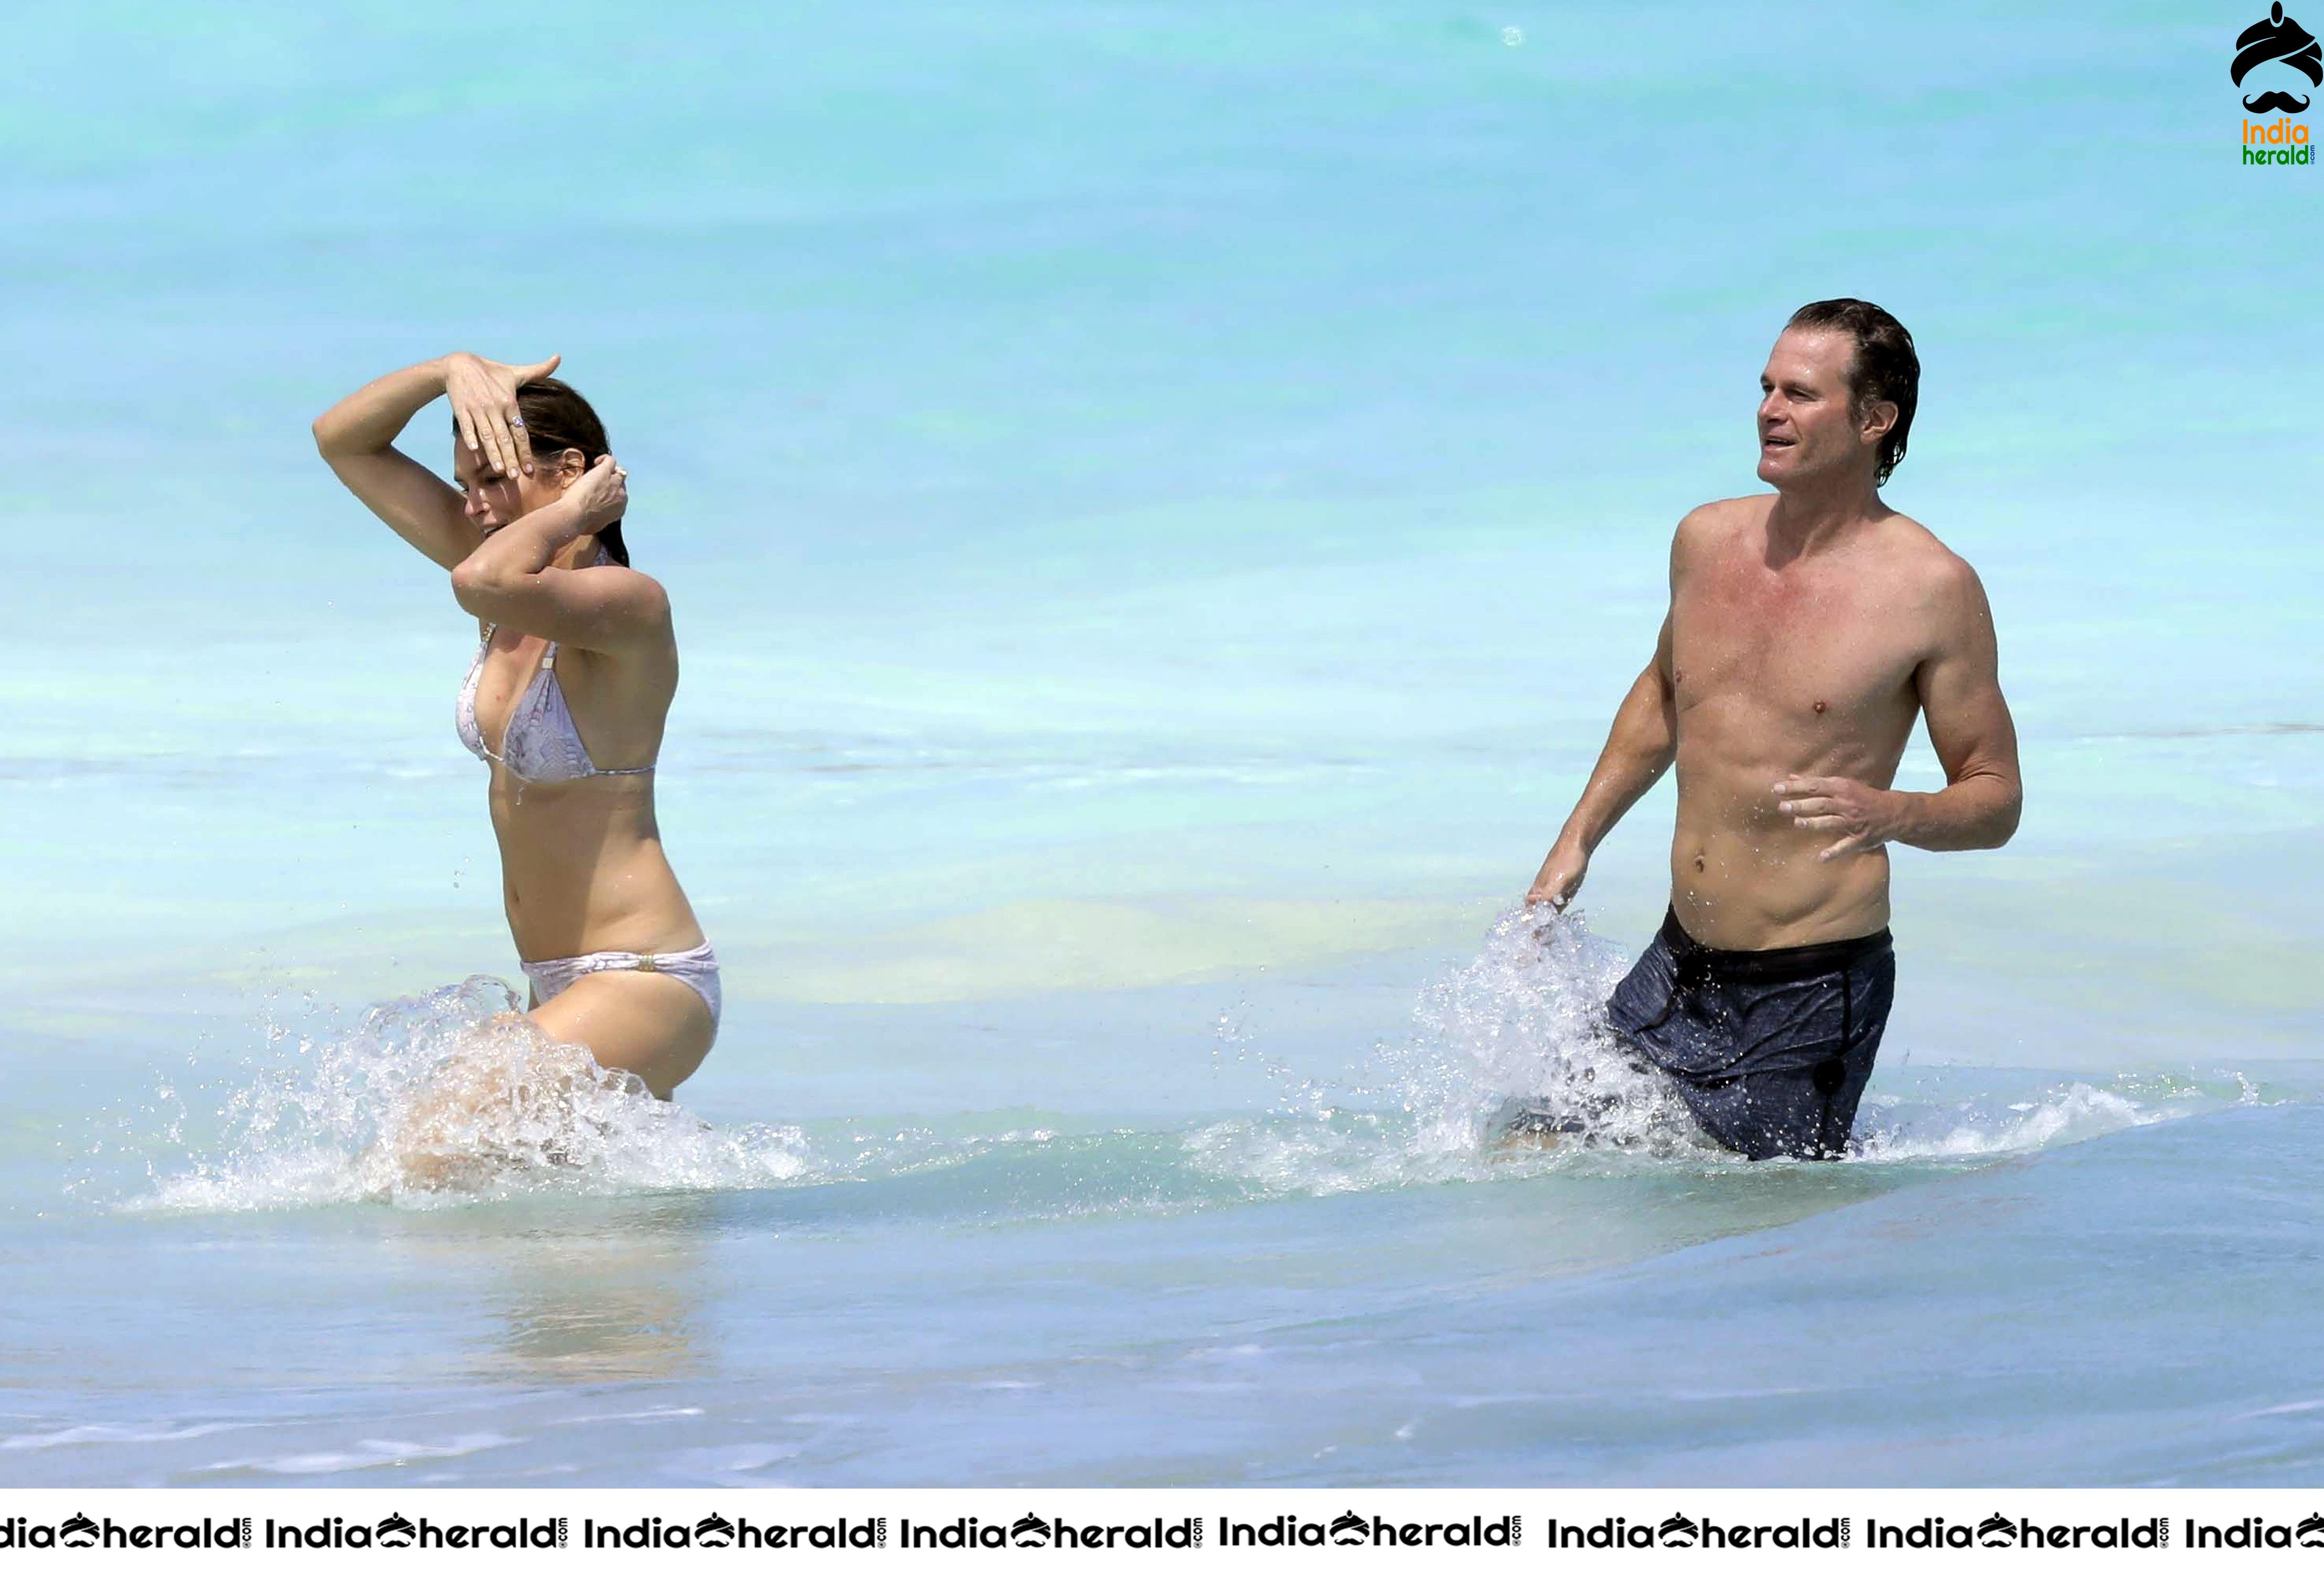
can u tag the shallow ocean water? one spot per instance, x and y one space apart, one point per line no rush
1337 1283
1161 506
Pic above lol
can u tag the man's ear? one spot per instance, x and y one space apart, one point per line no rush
1878 420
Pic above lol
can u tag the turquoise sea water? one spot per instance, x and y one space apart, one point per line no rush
1160 504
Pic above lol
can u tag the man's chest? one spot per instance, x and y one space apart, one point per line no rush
1811 640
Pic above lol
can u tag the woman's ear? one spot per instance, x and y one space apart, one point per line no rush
569 467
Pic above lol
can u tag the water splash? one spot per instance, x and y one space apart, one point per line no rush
1522 1020
453 1096
1517 1021
449 1096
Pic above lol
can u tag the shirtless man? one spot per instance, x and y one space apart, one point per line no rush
1806 631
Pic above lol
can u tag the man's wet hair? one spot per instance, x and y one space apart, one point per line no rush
1887 367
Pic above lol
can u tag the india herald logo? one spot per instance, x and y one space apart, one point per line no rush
2268 54
2278 38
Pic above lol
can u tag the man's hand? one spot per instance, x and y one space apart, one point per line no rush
1561 876
1864 816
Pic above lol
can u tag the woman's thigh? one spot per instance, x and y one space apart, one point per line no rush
648 1022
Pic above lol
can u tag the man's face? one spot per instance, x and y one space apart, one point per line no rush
1808 424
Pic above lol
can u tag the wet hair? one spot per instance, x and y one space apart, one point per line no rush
1886 368
557 417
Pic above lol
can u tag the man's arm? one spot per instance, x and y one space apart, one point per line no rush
1960 688
1970 728
1640 748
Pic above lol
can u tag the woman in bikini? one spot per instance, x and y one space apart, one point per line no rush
565 701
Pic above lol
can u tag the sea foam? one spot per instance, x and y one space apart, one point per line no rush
455 1095
1521 1020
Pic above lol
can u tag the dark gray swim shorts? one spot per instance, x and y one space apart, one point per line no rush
1770 1049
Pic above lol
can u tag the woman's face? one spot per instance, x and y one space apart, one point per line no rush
491 500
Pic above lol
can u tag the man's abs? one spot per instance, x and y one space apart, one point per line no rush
1743 876
1803 671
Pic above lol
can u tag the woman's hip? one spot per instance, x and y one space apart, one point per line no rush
695 967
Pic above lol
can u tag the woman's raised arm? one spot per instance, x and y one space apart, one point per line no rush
510 579
356 437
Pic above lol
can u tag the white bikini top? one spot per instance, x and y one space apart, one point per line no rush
541 742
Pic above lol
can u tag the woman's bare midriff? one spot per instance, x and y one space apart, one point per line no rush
582 869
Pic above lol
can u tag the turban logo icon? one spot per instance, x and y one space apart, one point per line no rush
2278 38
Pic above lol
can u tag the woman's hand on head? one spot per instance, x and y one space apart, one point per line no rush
601 495
482 395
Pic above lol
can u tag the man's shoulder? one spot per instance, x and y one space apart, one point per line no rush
1721 520
1916 552
1728 512
1937 581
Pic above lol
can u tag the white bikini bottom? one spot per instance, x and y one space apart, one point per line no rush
697 968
